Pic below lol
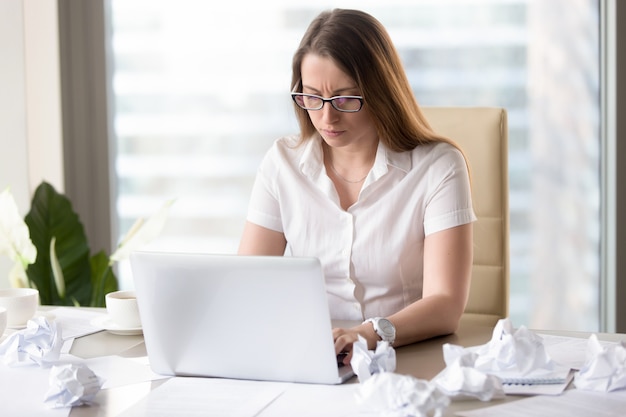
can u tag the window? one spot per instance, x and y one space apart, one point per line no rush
201 91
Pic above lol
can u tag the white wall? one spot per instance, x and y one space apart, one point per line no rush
30 112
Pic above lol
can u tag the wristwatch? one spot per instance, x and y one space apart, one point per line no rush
383 328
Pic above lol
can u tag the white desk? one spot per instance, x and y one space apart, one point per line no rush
422 360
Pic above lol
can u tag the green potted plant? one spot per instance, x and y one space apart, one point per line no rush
50 251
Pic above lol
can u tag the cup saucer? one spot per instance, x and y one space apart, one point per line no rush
105 322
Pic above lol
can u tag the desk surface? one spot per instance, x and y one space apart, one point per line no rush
422 360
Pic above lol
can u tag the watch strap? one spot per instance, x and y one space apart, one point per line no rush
390 338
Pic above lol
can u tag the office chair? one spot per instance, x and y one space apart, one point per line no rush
482 134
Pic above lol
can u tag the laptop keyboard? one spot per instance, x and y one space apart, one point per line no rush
340 357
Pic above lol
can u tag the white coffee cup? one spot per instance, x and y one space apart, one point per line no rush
3 320
122 309
21 305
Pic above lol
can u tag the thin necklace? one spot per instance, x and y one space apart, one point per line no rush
345 179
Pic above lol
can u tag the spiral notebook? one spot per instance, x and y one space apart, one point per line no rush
557 377
553 383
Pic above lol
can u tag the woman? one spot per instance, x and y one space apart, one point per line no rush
368 188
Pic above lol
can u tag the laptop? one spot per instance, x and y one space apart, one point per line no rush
240 317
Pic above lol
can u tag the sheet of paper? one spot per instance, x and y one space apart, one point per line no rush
117 371
567 351
22 391
305 400
207 397
572 403
74 322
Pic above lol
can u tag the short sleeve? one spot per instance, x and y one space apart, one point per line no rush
264 207
449 202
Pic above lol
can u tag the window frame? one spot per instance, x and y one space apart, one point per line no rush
84 34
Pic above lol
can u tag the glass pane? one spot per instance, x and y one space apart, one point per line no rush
201 91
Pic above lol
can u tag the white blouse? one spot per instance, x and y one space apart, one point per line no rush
372 254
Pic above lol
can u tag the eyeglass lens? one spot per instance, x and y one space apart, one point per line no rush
342 103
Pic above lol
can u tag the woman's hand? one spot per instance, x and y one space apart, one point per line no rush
345 338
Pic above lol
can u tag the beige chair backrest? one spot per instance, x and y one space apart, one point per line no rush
482 134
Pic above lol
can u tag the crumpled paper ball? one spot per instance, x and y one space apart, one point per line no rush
71 385
604 369
519 352
366 363
515 355
392 395
39 343
459 380
481 371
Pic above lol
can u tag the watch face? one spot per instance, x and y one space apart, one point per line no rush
383 328
387 328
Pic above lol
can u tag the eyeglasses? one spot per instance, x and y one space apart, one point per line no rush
347 104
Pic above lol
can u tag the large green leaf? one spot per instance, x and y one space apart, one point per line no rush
103 280
51 214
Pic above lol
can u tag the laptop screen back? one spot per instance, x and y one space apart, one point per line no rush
244 317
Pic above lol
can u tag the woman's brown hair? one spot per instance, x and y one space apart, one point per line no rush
360 45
